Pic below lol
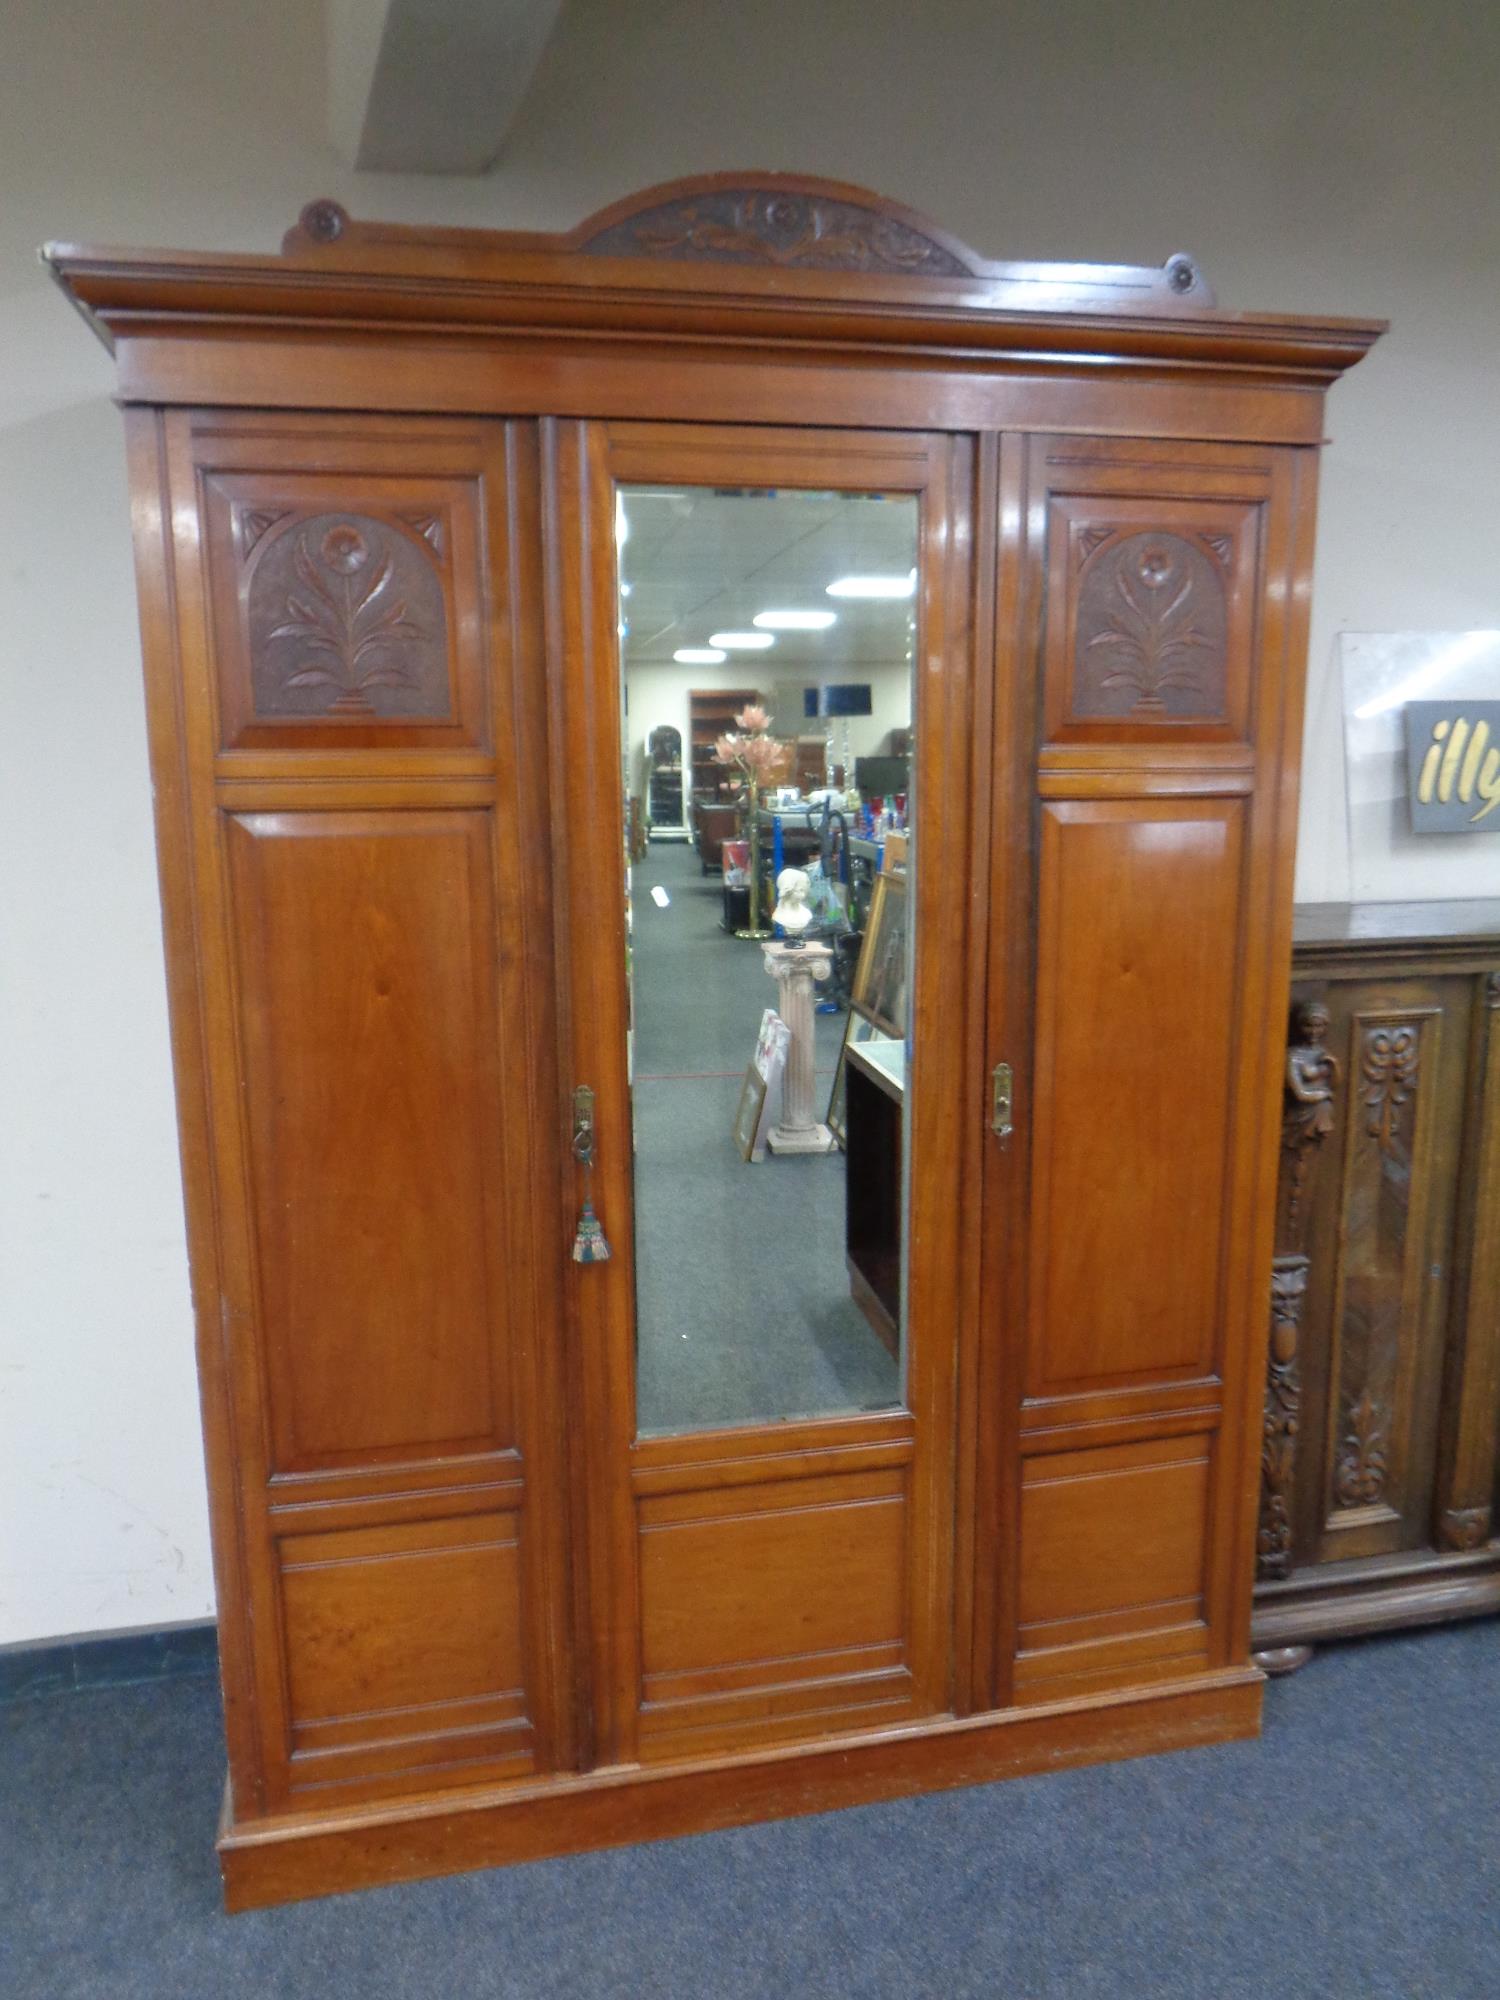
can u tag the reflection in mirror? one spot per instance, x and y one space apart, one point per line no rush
767 640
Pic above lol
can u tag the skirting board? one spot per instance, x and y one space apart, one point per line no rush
36 1669
297 1856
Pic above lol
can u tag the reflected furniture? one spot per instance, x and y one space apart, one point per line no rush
714 822
711 713
874 1098
664 764
467 1613
1380 1468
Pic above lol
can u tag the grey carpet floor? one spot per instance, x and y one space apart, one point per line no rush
1354 1851
743 1305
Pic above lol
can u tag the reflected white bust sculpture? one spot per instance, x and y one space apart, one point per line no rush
791 910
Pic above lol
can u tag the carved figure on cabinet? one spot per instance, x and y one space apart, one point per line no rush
1312 1078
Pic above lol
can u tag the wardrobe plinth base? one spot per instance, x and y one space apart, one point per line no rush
291 1857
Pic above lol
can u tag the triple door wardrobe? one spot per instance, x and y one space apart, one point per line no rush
518 1554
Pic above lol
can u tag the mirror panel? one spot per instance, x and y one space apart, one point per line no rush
766 641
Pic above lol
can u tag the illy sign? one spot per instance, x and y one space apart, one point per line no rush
1453 766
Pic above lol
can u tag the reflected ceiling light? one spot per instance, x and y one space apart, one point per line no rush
794 621
742 642
622 526
700 656
875 586
624 590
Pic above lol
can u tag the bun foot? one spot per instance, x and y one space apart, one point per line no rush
1276 1660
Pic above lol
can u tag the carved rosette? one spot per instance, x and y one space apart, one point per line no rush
1151 637
1464 1528
793 231
346 617
1273 1543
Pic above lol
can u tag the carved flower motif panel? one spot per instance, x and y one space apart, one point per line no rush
346 620
1151 632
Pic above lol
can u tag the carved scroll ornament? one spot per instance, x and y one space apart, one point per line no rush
1152 630
1389 1063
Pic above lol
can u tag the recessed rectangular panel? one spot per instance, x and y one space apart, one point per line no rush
404 1649
1135 1051
763 1604
1113 1553
365 944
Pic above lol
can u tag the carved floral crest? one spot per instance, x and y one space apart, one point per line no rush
346 619
1152 628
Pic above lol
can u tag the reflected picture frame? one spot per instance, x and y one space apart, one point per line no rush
879 991
747 1114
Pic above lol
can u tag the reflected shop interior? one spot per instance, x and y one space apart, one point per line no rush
767 641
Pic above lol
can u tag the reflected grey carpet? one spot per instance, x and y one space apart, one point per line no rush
1351 1852
744 1311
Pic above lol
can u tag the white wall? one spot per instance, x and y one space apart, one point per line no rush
1315 155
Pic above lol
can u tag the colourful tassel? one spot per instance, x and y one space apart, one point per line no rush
589 1246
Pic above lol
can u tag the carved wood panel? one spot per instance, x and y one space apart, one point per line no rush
1151 627
345 617
351 602
1152 566
773 226
1388 1241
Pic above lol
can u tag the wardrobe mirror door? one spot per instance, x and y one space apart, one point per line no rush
766 648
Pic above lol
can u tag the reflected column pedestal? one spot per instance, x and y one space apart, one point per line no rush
796 968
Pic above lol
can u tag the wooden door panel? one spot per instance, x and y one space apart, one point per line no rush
438 1676
1153 638
765 1605
370 1051
1113 1559
1135 987
372 946
799 1612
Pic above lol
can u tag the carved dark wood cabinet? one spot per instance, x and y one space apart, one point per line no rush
479 1600
1379 1465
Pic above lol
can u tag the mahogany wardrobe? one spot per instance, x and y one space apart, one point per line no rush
492 1582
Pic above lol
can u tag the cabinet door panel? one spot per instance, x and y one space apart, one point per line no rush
1135 1008
370 1038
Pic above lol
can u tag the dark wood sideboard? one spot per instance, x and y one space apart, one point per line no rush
1379 1490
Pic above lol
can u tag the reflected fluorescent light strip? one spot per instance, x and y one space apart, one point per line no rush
622 526
794 621
742 642
874 586
700 656
1466 647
